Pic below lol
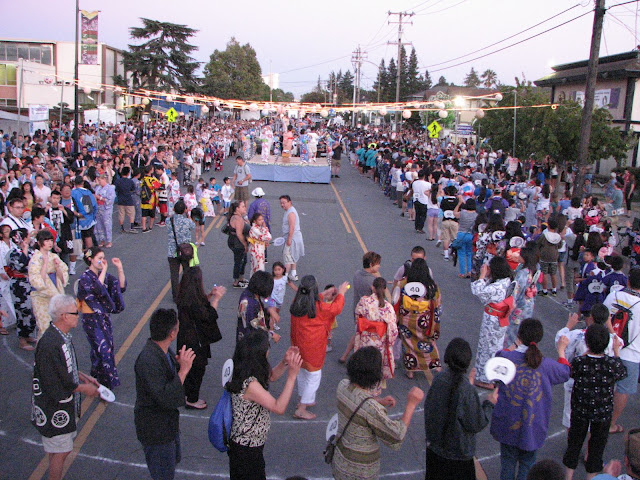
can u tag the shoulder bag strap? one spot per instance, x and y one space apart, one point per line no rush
351 418
173 227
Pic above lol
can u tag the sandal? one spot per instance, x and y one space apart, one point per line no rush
26 346
199 405
304 416
485 385
3 331
616 429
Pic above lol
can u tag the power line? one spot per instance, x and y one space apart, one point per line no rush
504 39
443 9
514 44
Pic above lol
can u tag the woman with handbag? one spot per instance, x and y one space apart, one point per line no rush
356 455
419 320
197 312
311 320
252 403
99 295
238 232
376 326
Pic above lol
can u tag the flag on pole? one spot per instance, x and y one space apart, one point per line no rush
89 34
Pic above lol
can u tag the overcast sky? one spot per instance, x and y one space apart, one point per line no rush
289 35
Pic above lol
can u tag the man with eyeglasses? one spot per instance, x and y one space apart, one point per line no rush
57 384
14 218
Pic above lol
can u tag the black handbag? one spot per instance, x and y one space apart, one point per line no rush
333 441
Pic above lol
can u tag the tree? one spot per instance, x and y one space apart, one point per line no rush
489 78
442 82
472 79
545 131
345 88
392 74
235 73
317 95
414 82
427 80
381 85
280 95
162 62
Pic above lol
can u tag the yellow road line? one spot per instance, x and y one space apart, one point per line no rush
344 220
351 222
87 428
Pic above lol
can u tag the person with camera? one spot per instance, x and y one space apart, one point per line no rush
181 229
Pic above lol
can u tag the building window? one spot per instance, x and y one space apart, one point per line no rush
32 52
8 74
8 102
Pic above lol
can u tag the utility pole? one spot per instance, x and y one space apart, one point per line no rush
357 58
515 120
399 43
590 88
75 86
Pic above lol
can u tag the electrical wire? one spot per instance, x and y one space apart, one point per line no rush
504 39
623 25
623 3
443 9
514 44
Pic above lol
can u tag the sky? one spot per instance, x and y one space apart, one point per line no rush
302 39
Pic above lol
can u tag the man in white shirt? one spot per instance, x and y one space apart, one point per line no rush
421 189
40 191
629 299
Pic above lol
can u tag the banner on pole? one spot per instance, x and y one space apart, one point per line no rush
38 118
89 35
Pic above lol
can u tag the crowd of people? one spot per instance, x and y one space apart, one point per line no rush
513 226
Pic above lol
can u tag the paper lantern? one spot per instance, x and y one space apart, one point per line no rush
145 101
87 90
314 108
265 112
204 109
117 90
253 107
382 111
443 114
479 113
324 113
280 109
189 100
498 97
406 114
439 105
216 103
169 98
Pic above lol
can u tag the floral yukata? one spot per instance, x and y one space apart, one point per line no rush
369 308
267 141
419 327
259 238
250 315
98 301
304 147
492 334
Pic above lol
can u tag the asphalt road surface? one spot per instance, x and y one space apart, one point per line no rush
339 223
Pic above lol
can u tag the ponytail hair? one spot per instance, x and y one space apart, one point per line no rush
457 357
304 303
380 287
530 334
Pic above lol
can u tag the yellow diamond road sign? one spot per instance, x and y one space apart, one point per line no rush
172 115
434 129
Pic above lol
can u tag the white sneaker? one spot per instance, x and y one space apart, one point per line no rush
438 243
72 270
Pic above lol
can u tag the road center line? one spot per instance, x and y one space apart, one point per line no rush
351 222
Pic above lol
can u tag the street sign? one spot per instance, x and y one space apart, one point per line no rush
434 129
172 115
464 130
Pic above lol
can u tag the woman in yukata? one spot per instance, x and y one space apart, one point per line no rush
100 295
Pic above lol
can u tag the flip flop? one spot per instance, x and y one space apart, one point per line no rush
311 416
616 429
196 406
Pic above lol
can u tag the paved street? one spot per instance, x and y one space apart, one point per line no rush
339 222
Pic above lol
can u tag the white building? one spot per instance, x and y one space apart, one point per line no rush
35 72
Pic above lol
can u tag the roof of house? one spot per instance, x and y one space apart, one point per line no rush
453 91
621 65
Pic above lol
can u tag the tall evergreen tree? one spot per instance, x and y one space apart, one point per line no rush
472 79
427 80
442 82
163 61
381 84
392 72
345 88
414 81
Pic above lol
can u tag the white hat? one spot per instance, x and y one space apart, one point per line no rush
258 192
613 174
